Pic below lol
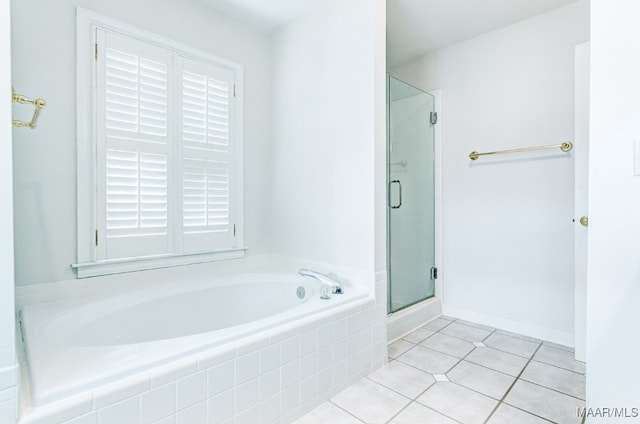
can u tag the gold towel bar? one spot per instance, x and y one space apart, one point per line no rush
565 147
38 103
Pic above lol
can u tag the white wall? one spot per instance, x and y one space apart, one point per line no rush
45 159
508 231
8 370
613 290
328 86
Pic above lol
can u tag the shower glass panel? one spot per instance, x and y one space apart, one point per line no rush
410 195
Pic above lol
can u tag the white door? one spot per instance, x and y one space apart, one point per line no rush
8 406
581 144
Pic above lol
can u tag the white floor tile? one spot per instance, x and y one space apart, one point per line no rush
450 390
437 324
489 382
416 413
512 345
474 324
467 332
448 398
428 360
497 360
506 414
328 413
418 335
406 380
544 402
370 402
559 358
559 346
450 345
399 347
559 379
519 336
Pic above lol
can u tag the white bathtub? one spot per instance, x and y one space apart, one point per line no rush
74 348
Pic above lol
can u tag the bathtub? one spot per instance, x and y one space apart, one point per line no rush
75 348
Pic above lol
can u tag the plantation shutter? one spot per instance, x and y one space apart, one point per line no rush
207 156
133 148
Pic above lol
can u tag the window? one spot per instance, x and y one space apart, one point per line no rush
159 151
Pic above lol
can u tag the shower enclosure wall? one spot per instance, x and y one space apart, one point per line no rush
410 195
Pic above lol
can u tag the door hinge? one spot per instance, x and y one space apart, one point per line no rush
433 118
234 90
434 273
96 237
96 50
234 230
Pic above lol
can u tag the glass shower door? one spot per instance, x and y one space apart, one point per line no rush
410 195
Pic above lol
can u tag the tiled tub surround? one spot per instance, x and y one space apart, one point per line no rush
273 376
8 394
452 371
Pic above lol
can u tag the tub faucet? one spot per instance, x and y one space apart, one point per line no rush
324 279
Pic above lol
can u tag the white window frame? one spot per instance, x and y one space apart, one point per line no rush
88 264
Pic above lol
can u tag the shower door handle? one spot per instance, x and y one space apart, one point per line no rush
399 194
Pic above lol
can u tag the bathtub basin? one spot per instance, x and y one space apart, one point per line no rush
75 347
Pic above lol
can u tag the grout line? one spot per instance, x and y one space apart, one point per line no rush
476 325
466 340
488 335
540 344
557 346
506 351
441 328
468 353
489 368
530 413
400 411
424 406
394 390
339 407
512 384
421 370
451 368
435 350
519 336
510 353
558 366
552 389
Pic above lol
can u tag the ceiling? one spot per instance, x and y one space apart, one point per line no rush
263 15
414 27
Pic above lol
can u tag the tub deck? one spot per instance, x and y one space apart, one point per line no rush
74 348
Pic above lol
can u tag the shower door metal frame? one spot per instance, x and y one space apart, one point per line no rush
438 291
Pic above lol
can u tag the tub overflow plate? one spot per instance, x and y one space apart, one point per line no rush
301 292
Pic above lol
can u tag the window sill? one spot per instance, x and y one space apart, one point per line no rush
119 266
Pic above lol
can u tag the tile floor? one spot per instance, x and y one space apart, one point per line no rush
453 371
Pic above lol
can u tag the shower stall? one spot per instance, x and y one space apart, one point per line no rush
411 229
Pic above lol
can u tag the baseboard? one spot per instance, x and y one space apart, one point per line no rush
542 333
